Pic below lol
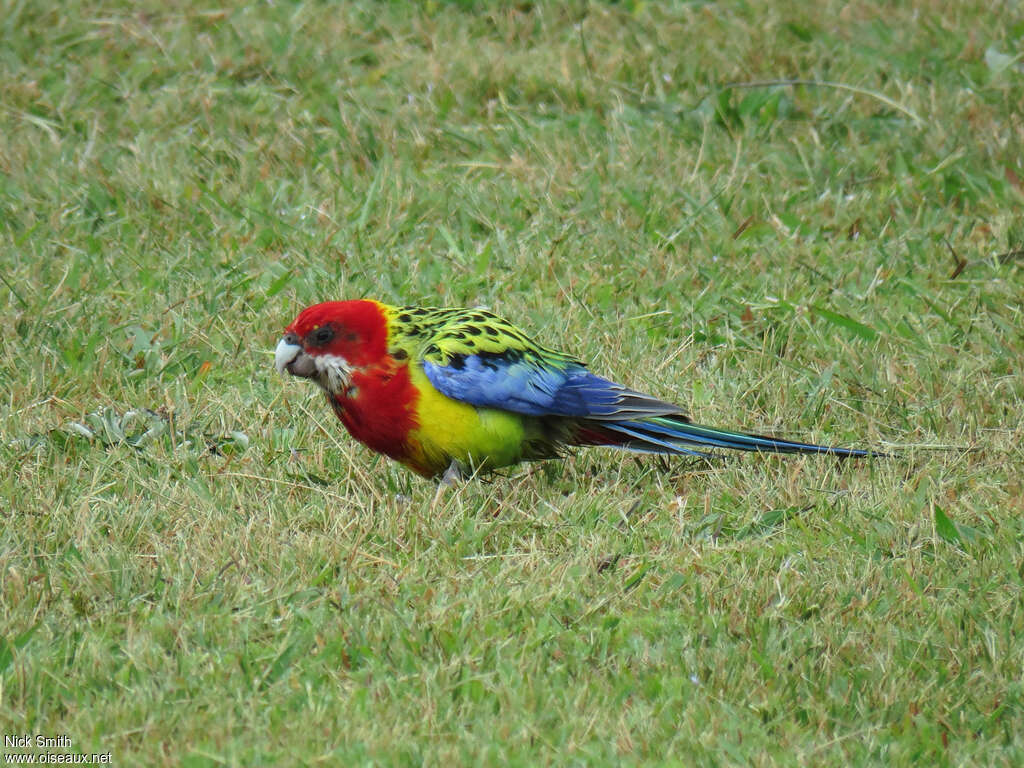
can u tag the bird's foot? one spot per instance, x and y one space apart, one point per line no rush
453 475
451 478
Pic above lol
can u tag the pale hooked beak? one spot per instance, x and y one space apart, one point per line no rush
289 356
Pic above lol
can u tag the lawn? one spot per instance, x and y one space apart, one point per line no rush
802 219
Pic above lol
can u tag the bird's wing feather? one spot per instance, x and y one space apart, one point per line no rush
487 362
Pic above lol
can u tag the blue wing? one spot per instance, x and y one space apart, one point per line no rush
513 382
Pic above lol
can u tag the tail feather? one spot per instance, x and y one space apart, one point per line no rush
672 434
641 440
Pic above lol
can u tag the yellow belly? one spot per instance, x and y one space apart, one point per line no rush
476 438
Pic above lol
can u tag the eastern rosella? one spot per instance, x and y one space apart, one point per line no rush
448 391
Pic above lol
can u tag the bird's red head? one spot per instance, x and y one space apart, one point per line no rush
327 341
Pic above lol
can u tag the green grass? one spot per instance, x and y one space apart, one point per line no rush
223 577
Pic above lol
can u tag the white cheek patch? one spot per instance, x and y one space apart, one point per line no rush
335 374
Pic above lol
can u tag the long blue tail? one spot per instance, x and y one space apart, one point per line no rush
673 434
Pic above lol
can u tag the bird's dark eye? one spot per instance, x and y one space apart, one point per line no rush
321 336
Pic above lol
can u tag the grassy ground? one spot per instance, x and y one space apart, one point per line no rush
199 567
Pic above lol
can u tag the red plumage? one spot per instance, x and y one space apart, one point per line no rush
361 330
381 411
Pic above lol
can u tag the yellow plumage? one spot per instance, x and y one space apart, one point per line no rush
454 428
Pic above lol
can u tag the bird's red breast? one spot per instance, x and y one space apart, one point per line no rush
380 408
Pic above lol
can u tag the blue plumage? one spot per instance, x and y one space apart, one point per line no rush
529 387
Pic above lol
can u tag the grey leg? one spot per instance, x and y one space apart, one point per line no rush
451 478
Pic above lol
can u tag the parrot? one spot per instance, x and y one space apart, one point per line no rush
452 392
